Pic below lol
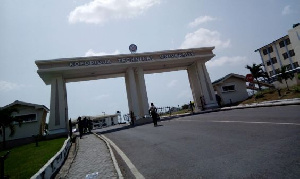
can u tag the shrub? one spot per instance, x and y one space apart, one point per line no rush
297 89
259 95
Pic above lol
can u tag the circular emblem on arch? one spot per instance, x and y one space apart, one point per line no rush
132 48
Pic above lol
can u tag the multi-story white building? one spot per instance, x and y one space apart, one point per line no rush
283 52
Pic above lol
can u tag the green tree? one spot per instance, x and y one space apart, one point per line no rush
7 121
283 75
257 72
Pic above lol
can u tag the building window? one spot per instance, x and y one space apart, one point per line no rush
277 71
291 53
271 73
268 63
265 52
296 65
285 55
27 118
288 67
228 88
284 42
281 44
273 60
270 49
287 41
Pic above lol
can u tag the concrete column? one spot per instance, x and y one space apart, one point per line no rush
132 96
58 121
195 86
206 86
277 54
141 91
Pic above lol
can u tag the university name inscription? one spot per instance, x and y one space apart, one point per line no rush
129 59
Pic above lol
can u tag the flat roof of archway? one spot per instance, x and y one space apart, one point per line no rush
110 66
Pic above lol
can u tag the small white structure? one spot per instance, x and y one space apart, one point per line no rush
101 120
106 120
34 120
231 88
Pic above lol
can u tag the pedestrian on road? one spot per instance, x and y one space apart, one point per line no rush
80 126
153 113
219 99
132 117
192 107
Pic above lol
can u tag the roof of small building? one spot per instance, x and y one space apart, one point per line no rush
36 106
221 80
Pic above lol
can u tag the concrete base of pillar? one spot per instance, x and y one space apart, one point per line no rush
211 106
55 133
142 121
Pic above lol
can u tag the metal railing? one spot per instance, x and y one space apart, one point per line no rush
162 111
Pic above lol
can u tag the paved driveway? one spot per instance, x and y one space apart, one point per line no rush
246 143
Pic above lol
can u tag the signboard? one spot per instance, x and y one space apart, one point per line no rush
251 84
132 59
249 78
132 48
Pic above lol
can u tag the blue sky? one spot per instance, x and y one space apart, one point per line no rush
42 30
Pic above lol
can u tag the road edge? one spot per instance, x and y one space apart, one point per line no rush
129 164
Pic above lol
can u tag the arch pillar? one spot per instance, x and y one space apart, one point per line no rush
141 91
201 86
58 106
132 93
195 86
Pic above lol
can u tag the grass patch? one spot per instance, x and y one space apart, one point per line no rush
26 160
272 94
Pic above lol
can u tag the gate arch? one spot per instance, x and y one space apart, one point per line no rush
58 72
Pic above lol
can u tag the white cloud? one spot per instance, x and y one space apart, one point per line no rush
228 61
286 10
91 52
204 37
100 11
101 97
172 83
201 20
9 86
185 94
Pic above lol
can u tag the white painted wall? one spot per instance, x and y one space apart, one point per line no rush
27 129
239 94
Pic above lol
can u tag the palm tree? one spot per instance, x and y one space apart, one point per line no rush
283 75
257 72
7 120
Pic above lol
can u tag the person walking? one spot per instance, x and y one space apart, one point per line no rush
192 107
219 99
153 113
80 126
132 117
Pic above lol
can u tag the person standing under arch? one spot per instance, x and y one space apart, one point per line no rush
153 113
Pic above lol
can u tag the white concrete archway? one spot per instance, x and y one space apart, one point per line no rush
58 72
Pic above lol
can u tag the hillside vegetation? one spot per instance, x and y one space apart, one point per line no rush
273 94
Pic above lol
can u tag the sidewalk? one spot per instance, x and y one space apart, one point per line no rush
93 160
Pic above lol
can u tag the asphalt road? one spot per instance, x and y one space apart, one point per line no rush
244 143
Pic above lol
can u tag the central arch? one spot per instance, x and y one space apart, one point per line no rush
58 72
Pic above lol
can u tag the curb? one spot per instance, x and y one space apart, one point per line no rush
253 105
53 165
112 155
